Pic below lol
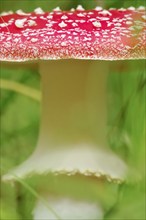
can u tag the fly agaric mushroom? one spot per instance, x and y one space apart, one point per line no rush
74 113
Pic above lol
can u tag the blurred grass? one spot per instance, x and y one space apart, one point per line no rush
127 85
29 5
20 125
19 117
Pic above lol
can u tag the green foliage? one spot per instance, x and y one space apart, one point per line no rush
130 204
20 125
8 203
29 5
19 118
127 84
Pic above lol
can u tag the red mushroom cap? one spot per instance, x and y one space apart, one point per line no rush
79 34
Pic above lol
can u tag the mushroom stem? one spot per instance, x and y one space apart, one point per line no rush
74 103
73 128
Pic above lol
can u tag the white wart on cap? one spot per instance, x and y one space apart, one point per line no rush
114 34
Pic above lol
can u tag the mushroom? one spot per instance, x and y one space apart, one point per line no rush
67 45
69 209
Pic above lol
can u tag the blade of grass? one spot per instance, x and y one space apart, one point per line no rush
17 87
37 196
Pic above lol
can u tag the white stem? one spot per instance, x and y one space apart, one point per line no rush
74 120
74 102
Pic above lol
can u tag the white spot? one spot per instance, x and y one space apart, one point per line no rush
80 15
31 23
11 21
129 22
117 24
20 12
43 18
113 32
98 8
126 31
62 24
16 40
50 16
127 47
90 13
129 18
33 40
105 36
81 21
74 33
131 8
63 35
127 15
103 18
144 17
33 17
74 24
39 11
122 9
141 8
57 9
96 24
87 39
105 13
112 9
92 19
20 22
109 24
63 44
69 21
6 13
76 38
64 17
72 9
4 25
80 8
